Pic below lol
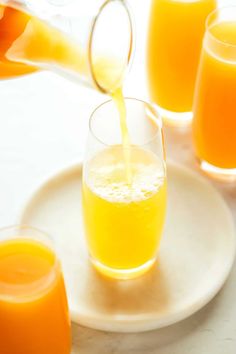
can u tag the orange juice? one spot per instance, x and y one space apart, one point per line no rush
214 124
124 221
12 25
33 306
174 44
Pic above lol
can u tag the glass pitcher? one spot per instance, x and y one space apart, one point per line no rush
90 46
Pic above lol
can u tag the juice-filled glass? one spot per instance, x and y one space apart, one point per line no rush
124 190
214 123
34 317
174 44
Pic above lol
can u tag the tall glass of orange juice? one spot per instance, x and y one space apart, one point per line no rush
124 190
174 44
214 123
33 306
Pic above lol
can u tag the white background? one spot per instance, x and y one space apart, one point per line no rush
43 127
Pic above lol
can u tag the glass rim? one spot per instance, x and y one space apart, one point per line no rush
156 118
25 226
91 37
208 25
29 287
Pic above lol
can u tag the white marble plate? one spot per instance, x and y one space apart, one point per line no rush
196 255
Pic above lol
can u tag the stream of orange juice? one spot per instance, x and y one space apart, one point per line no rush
175 38
118 98
214 123
33 306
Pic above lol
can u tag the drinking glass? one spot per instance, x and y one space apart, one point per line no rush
174 45
214 123
124 215
33 305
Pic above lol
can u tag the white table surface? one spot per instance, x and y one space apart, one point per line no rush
43 127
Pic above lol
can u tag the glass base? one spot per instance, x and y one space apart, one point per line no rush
175 118
122 273
218 173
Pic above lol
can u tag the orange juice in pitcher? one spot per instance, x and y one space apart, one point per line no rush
95 50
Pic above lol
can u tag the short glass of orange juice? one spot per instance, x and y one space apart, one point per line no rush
34 314
175 36
124 190
214 123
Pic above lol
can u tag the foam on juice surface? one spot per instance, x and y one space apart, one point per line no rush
107 175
